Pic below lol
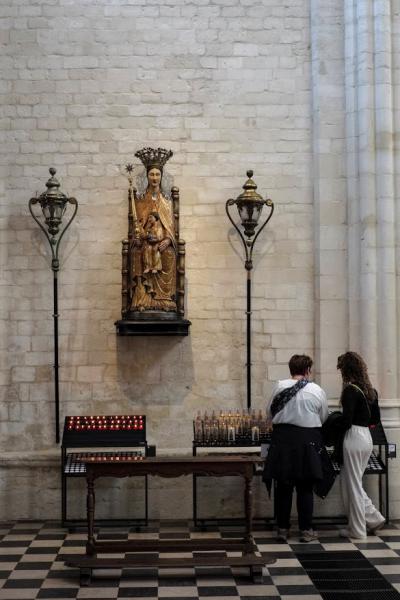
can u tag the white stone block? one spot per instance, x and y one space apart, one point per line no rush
23 374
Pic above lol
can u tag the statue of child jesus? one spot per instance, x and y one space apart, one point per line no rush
153 234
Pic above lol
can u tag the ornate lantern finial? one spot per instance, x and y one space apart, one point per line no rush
249 204
52 203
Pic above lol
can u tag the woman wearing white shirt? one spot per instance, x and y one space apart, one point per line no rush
298 408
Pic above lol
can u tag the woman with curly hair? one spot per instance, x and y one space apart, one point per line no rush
360 409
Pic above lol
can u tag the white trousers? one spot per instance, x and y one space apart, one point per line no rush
357 448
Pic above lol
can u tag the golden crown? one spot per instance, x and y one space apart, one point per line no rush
154 157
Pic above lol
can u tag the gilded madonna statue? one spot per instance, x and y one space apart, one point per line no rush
152 255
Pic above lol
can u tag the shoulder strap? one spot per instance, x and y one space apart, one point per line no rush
357 388
282 398
366 400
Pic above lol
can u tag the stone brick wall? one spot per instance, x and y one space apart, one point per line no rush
228 85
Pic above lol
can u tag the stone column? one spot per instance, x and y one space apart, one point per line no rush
395 22
370 190
385 196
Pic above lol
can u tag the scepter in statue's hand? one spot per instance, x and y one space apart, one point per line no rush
134 229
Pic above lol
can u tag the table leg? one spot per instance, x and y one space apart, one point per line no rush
90 503
256 574
248 503
85 577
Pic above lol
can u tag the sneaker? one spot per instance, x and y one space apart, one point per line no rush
374 528
282 534
346 533
308 535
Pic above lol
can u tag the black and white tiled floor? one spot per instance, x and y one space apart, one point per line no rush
32 565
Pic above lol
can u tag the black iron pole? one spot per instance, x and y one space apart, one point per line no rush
56 365
250 200
53 204
248 339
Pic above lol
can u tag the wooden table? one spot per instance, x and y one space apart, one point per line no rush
216 466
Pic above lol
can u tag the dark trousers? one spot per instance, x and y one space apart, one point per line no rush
305 503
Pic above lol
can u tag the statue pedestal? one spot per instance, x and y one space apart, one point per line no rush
172 325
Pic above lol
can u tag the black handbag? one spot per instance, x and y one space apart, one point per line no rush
333 434
323 486
332 429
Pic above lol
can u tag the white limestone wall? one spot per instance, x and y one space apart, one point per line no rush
228 85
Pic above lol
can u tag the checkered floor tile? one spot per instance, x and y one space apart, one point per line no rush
32 565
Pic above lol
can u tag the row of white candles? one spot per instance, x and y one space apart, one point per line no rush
230 426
